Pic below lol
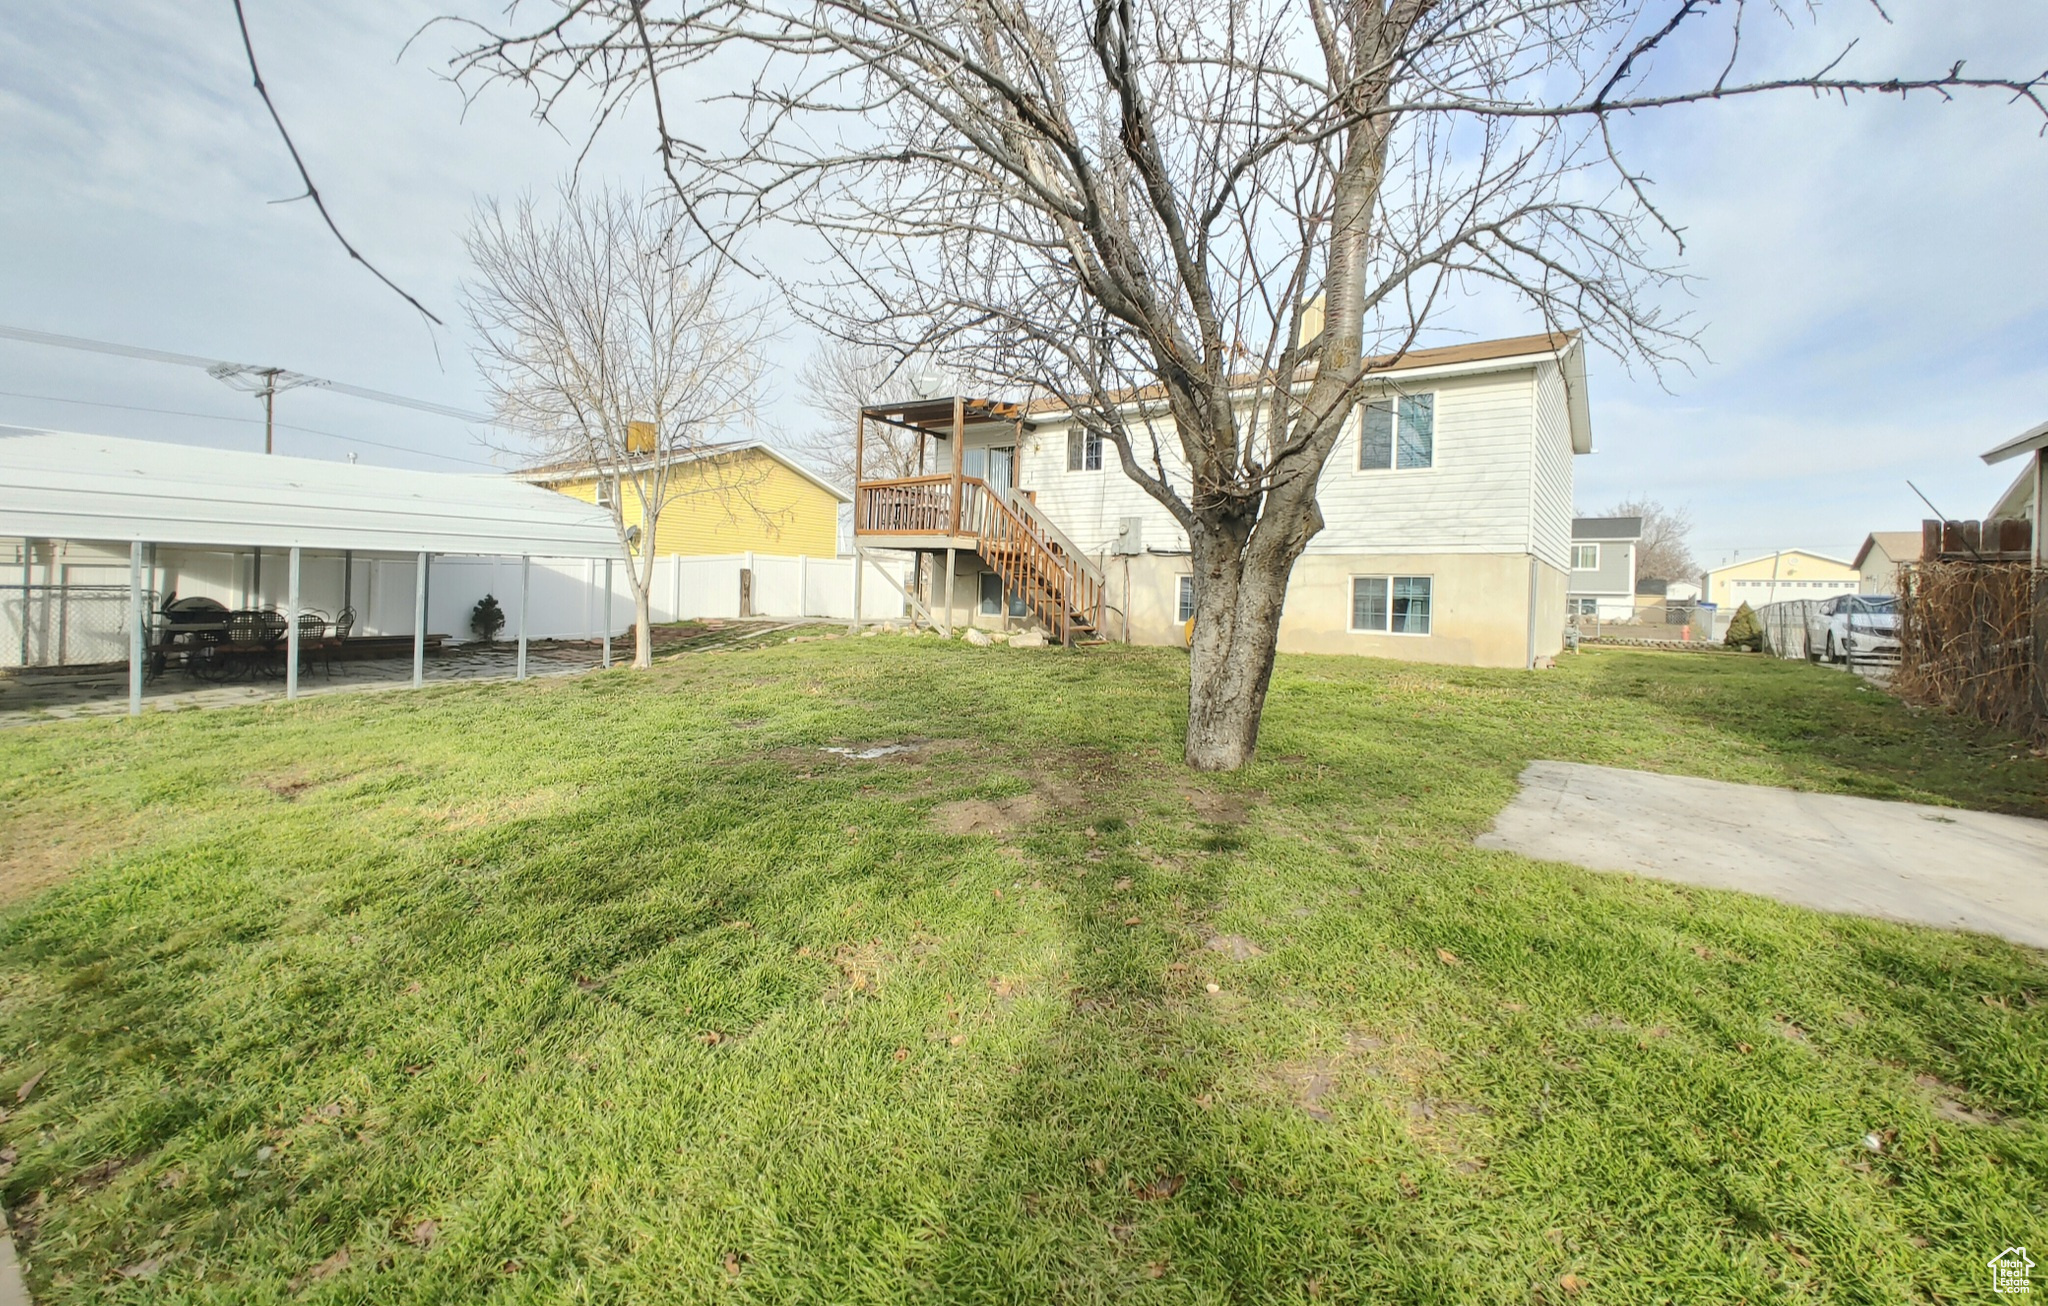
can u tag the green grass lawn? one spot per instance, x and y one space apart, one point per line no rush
622 989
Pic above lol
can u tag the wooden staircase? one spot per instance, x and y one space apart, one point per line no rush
1058 583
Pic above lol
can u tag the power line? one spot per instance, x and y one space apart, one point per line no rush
254 421
221 368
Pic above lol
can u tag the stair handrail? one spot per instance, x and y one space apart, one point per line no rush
1030 511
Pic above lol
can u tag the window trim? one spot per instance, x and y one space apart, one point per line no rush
1394 398
1351 598
1083 444
1184 588
1576 546
606 492
1009 605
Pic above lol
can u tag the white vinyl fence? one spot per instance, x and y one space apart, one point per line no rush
73 608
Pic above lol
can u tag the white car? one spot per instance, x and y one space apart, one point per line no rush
1854 628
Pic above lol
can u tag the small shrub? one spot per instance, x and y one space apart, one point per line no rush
486 619
1745 631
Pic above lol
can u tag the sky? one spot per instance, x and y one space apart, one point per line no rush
1869 281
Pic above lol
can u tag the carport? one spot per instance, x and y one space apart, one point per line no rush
171 506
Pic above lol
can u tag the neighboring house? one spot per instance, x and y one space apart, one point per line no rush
1446 507
2027 498
1882 555
1603 580
735 498
1779 577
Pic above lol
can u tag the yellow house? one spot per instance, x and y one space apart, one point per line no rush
1779 577
735 498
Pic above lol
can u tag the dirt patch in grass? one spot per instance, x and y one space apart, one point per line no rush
39 849
861 967
1216 808
1307 1083
1949 1104
296 782
1400 1072
980 816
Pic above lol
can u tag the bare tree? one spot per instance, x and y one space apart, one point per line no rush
840 379
1662 553
1131 205
609 336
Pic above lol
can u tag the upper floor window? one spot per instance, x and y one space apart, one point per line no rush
1397 433
1585 557
607 492
1084 451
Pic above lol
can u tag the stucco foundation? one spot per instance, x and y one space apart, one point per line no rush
1480 605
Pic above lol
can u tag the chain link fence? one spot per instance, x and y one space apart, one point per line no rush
64 625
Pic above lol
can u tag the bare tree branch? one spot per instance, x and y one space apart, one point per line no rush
312 191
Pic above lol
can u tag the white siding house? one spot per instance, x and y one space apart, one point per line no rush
1447 510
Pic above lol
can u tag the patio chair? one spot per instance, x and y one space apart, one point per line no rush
344 622
312 637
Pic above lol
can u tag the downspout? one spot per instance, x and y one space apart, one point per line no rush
1532 613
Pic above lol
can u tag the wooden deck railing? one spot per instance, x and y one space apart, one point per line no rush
910 505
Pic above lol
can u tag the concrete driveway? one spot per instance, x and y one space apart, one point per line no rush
1900 861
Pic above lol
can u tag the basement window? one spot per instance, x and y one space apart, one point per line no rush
992 597
1390 605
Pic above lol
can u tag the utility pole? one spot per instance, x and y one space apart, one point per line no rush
269 406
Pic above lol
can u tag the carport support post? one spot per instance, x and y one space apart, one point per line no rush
291 626
607 614
419 624
137 618
525 571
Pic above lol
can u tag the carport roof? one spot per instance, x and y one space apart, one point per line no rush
66 485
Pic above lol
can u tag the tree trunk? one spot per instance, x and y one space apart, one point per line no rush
1230 663
643 612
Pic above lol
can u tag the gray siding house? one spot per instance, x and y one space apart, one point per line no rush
1603 575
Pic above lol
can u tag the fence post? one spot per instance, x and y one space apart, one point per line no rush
803 585
525 573
136 618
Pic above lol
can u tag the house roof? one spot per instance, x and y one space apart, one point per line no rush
67 485
1781 553
2026 441
573 469
937 414
1564 347
1607 528
1897 545
2018 499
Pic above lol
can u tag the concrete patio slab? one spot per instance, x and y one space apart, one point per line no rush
65 693
1900 861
